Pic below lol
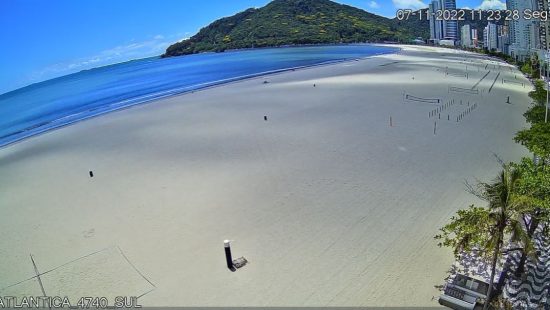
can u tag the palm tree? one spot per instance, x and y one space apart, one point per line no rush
486 229
533 190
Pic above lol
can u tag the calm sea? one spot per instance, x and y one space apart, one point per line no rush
58 102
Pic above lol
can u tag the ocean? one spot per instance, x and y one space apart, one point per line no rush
58 102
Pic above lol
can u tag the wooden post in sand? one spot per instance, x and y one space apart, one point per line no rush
265 118
228 258
391 122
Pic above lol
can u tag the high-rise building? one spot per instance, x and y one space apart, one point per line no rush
490 37
544 32
475 40
450 27
466 36
485 37
503 39
544 39
442 29
523 33
436 26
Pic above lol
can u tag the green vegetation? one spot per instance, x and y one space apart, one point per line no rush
535 114
527 69
534 188
292 22
418 27
536 139
500 55
539 94
531 67
300 22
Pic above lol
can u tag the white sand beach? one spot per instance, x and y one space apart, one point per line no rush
330 205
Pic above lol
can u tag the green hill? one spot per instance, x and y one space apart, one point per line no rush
418 27
295 22
291 22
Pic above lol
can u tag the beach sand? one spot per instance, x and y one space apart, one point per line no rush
330 205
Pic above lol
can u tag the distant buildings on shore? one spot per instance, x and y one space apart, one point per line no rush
496 38
521 38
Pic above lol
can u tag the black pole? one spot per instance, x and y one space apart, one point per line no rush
228 258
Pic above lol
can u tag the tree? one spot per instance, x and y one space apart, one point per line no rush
535 114
536 139
486 229
535 66
533 189
539 94
526 68
533 186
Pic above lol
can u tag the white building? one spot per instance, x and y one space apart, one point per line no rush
490 37
466 36
523 33
445 42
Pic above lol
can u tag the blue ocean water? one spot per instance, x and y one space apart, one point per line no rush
61 101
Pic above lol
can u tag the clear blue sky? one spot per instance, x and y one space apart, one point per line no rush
45 39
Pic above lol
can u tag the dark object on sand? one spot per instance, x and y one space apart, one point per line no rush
228 258
314 85
266 82
508 100
265 118
240 262
91 174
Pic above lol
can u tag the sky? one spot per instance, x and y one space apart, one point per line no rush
45 39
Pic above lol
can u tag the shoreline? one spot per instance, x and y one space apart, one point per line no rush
288 46
179 92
